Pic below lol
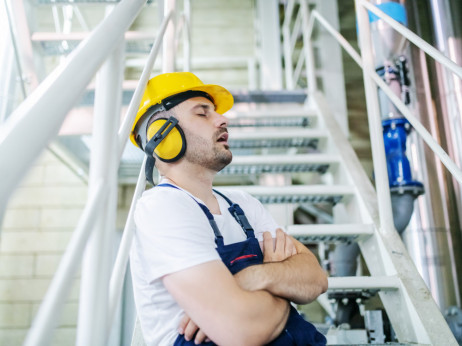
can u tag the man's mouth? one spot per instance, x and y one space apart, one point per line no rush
223 137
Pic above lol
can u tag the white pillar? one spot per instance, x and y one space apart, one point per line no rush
168 44
94 289
270 49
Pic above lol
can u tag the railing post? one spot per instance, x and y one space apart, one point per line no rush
94 289
308 48
286 45
375 126
168 56
187 36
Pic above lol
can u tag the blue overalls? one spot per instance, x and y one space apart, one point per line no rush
238 256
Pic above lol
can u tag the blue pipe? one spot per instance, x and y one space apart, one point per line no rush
395 131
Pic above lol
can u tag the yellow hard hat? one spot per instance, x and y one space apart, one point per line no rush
169 84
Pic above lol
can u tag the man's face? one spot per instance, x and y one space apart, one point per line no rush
206 133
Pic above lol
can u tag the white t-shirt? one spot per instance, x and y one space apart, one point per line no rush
172 234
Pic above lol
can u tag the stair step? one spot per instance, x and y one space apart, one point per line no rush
281 121
372 284
52 43
104 2
298 117
300 138
330 232
257 164
298 193
270 96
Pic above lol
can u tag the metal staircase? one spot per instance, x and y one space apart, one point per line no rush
324 170
303 144
289 152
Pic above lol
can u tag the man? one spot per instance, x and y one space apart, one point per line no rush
197 264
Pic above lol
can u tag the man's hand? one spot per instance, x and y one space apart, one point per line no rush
188 328
277 251
294 275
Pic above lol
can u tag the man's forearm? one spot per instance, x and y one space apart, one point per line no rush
265 306
298 278
292 279
225 312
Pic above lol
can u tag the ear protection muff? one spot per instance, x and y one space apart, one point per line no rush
166 141
173 145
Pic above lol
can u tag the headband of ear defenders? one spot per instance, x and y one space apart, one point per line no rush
174 100
153 143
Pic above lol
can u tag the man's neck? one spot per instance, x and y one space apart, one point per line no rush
194 179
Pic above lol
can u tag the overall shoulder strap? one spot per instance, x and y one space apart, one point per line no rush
208 214
239 216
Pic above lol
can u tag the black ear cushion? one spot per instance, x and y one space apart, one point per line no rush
173 146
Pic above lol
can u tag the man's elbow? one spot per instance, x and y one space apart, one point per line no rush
314 290
323 283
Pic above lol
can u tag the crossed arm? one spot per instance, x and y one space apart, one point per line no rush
252 307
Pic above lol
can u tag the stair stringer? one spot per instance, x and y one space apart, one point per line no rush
412 311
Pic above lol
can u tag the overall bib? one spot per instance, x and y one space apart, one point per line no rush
237 256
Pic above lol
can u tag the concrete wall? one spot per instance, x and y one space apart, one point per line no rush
37 226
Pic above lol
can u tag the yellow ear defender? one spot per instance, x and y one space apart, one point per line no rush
173 145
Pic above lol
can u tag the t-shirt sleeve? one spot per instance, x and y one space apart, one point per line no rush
172 233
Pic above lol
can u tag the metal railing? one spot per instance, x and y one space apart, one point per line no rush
371 80
431 330
21 143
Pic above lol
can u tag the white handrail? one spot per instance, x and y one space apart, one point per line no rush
422 44
38 119
50 309
419 128
129 118
120 266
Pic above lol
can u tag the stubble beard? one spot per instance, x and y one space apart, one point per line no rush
197 152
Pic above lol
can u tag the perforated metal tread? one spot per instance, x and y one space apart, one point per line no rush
331 233
281 121
103 2
287 117
51 44
270 96
351 284
298 193
257 164
299 138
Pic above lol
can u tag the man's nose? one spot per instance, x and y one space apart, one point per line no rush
221 120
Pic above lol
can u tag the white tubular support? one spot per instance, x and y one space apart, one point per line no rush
422 44
168 51
286 43
187 36
120 266
129 118
20 140
96 265
341 40
308 48
375 126
47 316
